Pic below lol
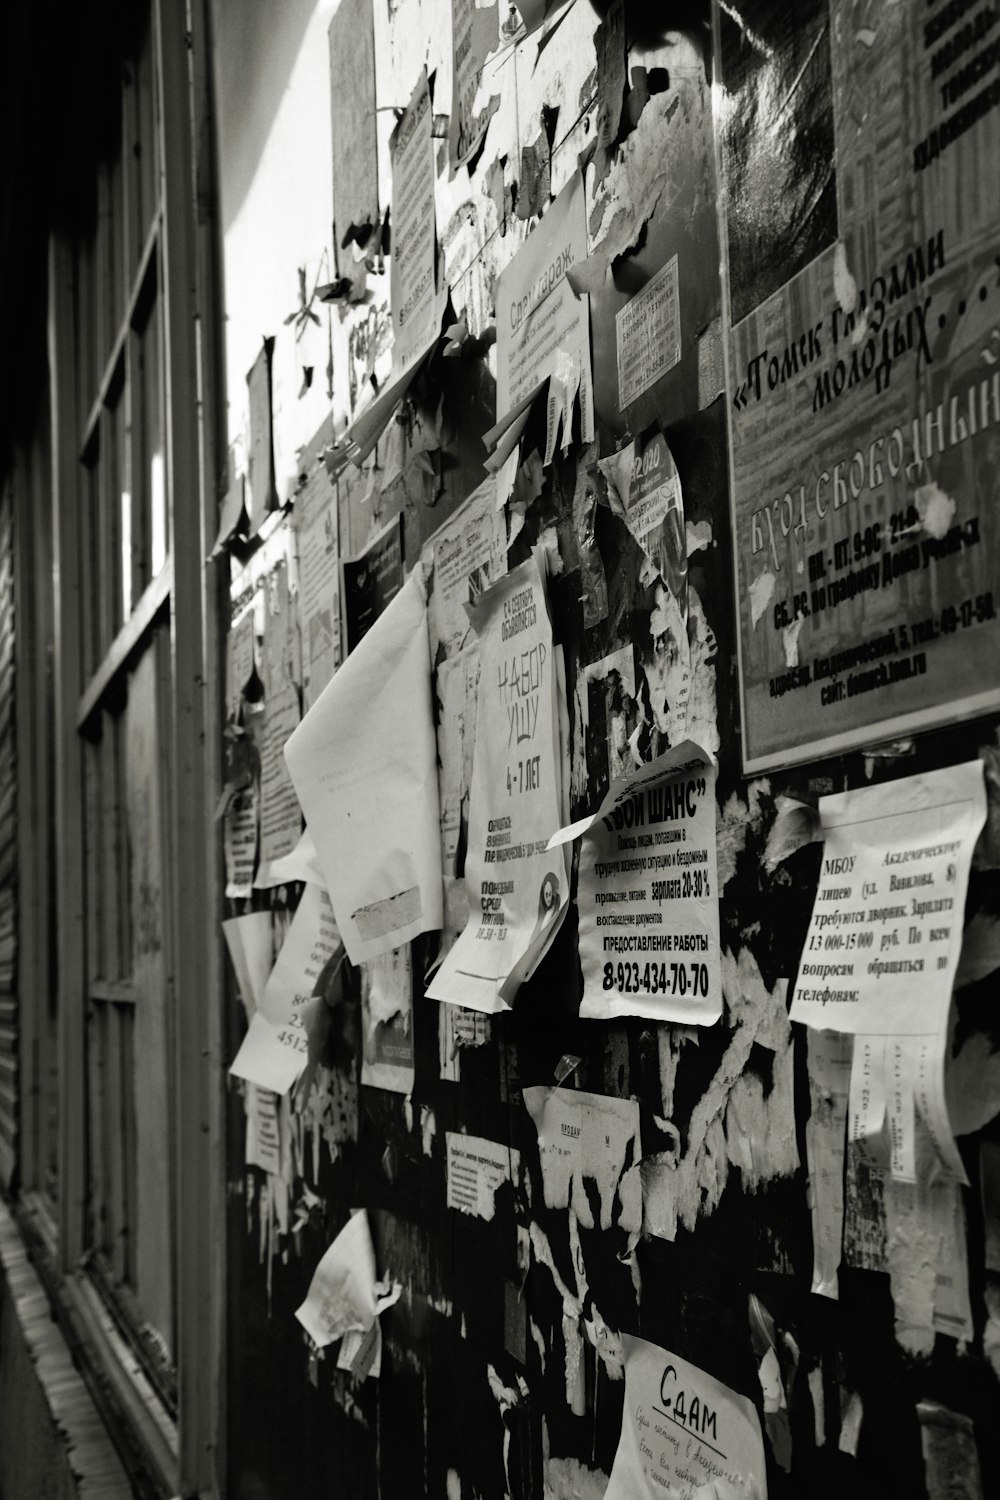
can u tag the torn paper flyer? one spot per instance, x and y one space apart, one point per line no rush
364 765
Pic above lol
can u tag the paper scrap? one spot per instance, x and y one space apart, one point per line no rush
240 844
593 1137
648 335
341 1294
317 535
280 817
387 1021
301 864
369 581
418 303
240 663
353 118
684 1433
476 1168
413 277
250 942
364 765
464 556
260 455
517 890
644 490
263 1138
926 1254
648 894
539 317
829 1063
475 32
231 514
274 1050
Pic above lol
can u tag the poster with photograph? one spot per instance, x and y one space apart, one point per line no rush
863 369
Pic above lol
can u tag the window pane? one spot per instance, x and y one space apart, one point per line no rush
151 508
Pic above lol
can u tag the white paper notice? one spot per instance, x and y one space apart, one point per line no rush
280 818
685 1435
467 553
364 765
589 1136
341 1294
886 930
263 1142
476 1168
882 952
274 1049
648 335
251 948
240 661
539 318
317 546
649 908
517 890
414 240
418 304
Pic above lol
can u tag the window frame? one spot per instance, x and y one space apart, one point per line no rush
181 1449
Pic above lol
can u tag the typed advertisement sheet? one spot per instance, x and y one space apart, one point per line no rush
648 894
882 950
886 931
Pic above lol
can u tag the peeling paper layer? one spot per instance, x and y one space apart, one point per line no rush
341 1294
679 1195
590 1136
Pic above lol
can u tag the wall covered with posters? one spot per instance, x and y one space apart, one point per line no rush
612 801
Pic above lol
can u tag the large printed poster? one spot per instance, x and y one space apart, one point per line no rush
860 157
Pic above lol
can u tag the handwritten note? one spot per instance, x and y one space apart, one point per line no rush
684 1433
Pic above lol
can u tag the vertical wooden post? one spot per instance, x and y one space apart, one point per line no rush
67 541
196 755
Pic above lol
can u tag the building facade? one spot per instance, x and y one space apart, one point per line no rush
328 324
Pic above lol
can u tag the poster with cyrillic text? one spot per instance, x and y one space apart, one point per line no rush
886 931
648 894
882 951
863 369
685 1435
517 890
542 326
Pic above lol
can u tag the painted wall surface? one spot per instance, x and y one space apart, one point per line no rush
702 1229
